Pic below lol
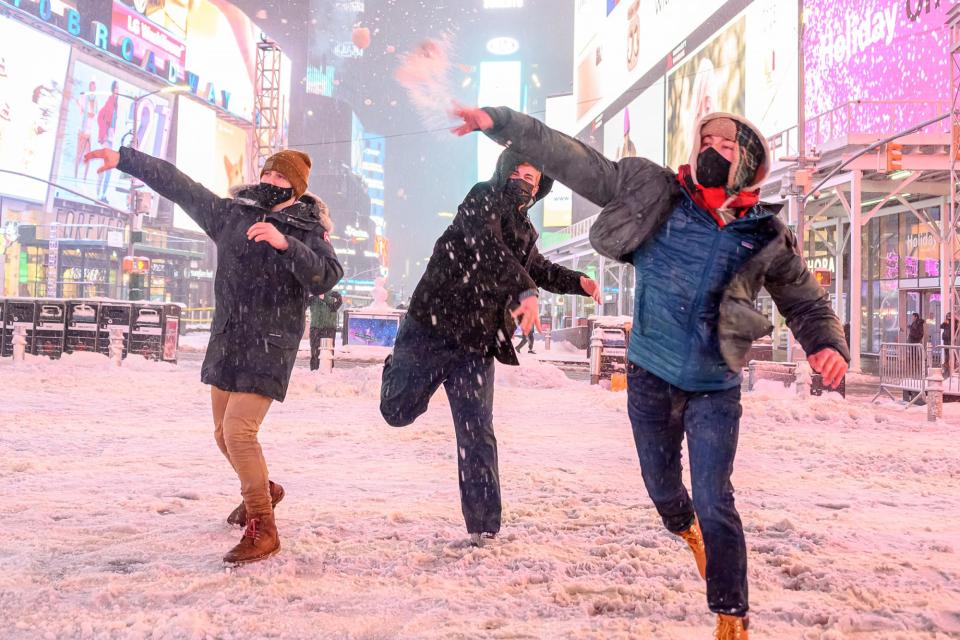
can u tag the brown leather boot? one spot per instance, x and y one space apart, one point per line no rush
239 515
731 627
260 540
694 539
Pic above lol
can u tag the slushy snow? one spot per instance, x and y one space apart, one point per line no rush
115 497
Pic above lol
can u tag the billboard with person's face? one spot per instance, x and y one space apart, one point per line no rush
710 80
876 51
100 111
31 90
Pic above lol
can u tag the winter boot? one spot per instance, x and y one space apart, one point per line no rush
260 540
694 539
731 627
479 539
239 515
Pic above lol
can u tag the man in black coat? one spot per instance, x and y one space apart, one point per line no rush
273 252
485 272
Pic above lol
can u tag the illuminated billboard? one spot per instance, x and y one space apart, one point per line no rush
616 45
710 80
558 204
876 51
99 113
637 130
214 153
499 85
31 91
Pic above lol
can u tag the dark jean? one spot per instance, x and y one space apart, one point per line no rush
422 360
661 415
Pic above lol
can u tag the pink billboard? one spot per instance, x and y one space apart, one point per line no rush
891 55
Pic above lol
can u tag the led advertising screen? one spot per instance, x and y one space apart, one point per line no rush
712 79
31 91
212 152
637 130
372 331
222 50
876 51
99 113
615 45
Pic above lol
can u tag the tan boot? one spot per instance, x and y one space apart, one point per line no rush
239 515
731 627
694 539
260 540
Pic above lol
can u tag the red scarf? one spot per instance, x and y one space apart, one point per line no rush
712 198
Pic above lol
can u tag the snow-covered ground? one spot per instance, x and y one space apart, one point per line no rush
114 498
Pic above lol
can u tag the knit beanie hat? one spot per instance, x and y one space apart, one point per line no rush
292 165
750 163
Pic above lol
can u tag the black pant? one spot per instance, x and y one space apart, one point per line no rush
527 338
661 415
421 361
317 334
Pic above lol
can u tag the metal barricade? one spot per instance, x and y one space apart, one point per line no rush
905 366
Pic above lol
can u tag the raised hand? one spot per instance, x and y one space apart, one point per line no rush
110 158
474 119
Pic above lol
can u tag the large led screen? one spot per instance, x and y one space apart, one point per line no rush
31 91
100 111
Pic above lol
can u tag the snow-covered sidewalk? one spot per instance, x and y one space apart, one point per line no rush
114 499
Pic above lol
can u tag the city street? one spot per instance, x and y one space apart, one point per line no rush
116 499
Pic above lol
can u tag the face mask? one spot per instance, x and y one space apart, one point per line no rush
713 169
520 191
269 195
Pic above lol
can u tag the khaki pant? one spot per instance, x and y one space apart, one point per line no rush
236 420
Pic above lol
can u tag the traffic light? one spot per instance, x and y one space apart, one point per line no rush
824 277
894 156
136 265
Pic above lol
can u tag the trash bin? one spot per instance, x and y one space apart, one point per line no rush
50 330
146 331
171 331
19 312
81 332
113 314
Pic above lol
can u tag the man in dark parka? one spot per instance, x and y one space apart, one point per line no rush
484 273
273 252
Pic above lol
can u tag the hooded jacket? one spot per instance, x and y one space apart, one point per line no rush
261 293
482 266
639 198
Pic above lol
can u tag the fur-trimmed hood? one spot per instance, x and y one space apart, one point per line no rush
309 208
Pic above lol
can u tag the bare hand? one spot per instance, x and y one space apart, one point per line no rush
473 120
829 364
110 158
528 312
266 232
591 288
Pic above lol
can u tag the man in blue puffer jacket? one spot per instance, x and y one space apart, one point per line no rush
703 247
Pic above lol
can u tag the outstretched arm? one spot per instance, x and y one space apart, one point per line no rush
204 206
573 163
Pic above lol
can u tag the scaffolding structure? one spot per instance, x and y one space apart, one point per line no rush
950 247
268 110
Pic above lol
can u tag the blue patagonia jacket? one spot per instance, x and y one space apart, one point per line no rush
681 274
697 283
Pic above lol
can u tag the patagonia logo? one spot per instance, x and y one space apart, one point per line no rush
746 244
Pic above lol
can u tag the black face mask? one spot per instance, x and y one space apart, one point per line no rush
520 191
268 195
713 169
